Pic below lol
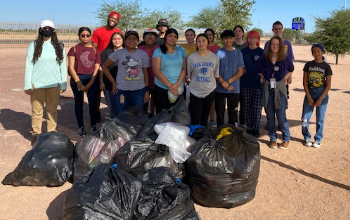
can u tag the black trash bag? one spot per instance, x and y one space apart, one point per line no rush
163 197
202 132
49 163
139 156
104 192
132 120
99 147
224 173
181 114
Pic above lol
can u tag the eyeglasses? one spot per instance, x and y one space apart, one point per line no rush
150 36
85 35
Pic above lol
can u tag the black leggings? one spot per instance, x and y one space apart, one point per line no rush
200 108
161 100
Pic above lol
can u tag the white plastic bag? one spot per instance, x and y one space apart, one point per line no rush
175 137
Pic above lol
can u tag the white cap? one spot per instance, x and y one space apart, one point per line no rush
47 23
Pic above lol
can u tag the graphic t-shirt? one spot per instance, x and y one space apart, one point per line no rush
130 74
149 52
317 73
202 70
250 78
101 36
229 63
85 58
171 65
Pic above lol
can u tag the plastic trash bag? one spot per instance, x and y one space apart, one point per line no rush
224 173
139 156
49 163
181 114
105 192
163 197
132 120
175 137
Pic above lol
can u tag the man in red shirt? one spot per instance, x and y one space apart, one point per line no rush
101 36
100 39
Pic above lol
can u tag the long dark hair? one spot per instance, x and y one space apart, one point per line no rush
163 47
38 47
110 44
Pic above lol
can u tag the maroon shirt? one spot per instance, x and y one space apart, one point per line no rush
85 58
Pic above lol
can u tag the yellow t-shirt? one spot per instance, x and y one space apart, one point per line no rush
189 49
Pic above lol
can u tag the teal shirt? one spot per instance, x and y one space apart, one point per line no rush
46 72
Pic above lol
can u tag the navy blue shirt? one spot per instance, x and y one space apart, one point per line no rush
250 78
277 70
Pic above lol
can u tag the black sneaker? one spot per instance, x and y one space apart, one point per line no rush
256 133
34 138
93 129
81 131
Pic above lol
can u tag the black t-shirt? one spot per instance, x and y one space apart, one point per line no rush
317 73
113 69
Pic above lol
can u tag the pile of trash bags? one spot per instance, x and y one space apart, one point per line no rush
135 167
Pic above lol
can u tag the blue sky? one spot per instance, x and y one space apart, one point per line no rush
82 12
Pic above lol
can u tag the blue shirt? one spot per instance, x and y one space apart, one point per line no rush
250 78
171 65
229 63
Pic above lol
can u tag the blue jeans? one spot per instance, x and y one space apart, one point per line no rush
111 103
131 98
320 114
281 117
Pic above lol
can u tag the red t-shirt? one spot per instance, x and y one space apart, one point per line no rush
85 58
150 70
101 36
213 48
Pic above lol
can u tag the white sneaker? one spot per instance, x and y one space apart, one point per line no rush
316 144
308 143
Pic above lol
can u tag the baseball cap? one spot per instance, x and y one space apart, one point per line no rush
47 23
319 46
149 31
114 13
162 22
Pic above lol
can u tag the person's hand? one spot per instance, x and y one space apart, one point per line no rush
63 90
102 86
146 97
261 79
285 81
173 89
115 88
187 82
224 84
83 88
28 91
310 101
318 102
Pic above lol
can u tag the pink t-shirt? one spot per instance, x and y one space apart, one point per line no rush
85 58
213 48
150 70
101 36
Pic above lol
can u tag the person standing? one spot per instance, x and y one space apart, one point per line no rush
84 64
190 46
100 39
116 43
148 45
317 83
251 88
227 89
131 85
202 70
45 76
274 70
169 67
213 47
162 27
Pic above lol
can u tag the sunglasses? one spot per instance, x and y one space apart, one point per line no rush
85 35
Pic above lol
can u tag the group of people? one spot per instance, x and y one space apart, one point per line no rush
155 72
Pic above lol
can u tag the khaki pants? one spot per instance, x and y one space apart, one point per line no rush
50 97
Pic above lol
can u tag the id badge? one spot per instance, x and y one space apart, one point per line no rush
122 99
273 83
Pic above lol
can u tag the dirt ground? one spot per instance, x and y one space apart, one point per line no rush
298 183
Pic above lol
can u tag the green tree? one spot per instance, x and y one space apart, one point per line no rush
333 32
289 34
129 13
150 18
236 12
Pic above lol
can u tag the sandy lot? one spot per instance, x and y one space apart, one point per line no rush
298 183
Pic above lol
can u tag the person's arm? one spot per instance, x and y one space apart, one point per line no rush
310 101
103 59
182 76
105 69
157 70
93 78
94 44
146 79
73 73
325 91
29 70
290 69
63 71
